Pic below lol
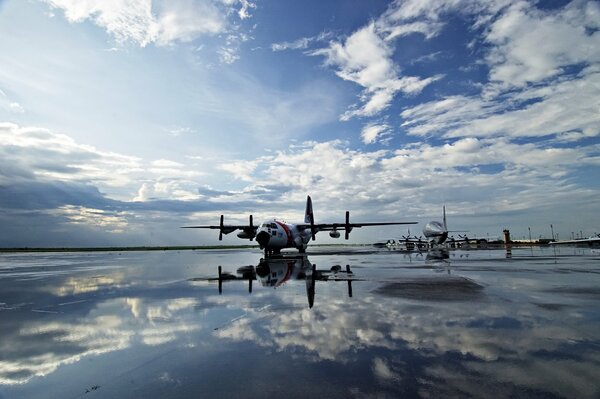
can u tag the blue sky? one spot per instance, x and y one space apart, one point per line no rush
120 121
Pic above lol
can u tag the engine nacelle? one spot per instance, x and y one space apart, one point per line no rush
334 234
246 235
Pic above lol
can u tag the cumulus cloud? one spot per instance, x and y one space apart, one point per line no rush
374 132
543 78
161 22
365 58
566 107
41 153
112 222
530 45
71 192
483 175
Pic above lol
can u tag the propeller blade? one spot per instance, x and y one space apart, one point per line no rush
221 229
347 228
251 227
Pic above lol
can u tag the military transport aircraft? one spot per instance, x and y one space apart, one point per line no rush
274 234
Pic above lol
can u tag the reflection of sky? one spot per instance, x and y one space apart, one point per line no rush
139 325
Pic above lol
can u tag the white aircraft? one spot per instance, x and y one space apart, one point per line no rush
590 241
274 235
436 234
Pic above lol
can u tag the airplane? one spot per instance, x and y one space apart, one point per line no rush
590 241
276 272
436 234
273 235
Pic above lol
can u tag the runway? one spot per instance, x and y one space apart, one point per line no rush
348 322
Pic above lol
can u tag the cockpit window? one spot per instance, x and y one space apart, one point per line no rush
273 225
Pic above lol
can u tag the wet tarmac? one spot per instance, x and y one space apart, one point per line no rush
340 323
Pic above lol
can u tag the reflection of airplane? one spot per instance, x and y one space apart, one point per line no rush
274 235
590 241
439 259
277 271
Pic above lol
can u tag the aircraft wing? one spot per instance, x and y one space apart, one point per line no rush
344 226
249 230
226 228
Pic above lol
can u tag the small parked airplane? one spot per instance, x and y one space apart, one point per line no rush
590 241
273 235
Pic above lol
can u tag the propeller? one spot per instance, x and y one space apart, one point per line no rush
221 229
251 227
347 228
312 226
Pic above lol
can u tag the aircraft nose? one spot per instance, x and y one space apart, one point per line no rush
262 238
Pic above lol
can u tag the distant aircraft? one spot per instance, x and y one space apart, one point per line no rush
590 241
436 234
273 235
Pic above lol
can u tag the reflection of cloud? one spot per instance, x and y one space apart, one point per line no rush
61 343
476 339
39 348
382 370
81 285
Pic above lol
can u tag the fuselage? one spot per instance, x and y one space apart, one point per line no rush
435 232
275 235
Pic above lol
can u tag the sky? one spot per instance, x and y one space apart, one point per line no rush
121 121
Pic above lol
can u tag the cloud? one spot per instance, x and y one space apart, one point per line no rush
112 222
244 11
69 339
161 22
373 132
8 105
365 58
498 177
180 131
529 45
301 43
42 154
563 108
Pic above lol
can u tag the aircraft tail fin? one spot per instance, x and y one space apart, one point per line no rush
445 225
309 210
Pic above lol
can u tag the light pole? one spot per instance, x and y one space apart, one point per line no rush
552 229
